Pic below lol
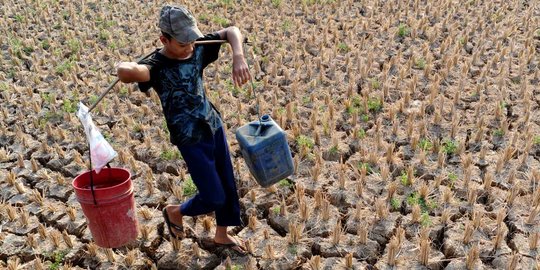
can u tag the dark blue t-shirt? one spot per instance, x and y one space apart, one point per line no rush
179 84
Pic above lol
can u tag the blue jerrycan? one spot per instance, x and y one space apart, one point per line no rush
266 152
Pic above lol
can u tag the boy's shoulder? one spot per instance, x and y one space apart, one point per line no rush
156 59
210 36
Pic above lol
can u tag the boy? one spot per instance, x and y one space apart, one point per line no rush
175 72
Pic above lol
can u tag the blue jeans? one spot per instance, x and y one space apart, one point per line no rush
209 164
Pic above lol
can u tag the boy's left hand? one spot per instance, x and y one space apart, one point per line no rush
240 70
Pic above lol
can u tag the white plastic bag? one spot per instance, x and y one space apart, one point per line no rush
101 151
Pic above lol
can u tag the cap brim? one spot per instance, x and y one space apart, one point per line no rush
188 34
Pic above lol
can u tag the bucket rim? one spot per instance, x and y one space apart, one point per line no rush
105 188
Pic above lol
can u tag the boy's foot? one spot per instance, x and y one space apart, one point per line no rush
231 243
173 220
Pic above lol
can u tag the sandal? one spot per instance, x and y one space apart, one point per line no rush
172 225
235 247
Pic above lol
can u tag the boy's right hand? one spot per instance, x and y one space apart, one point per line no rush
129 72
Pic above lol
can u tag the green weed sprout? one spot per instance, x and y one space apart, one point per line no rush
69 106
425 205
425 220
375 84
305 141
498 132
170 154
403 30
361 133
453 178
223 22
395 203
374 104
404 178
285 183
450 147
425 144
365 165
343 47
189 187
420 63
66 65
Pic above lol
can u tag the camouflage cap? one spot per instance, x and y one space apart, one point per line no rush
178 22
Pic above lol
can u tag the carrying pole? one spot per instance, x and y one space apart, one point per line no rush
201 42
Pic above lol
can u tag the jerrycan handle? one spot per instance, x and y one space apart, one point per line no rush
262 122
252 85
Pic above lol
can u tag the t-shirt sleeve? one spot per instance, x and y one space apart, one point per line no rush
210 51
152 64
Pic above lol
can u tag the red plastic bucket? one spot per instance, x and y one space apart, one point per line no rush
110 210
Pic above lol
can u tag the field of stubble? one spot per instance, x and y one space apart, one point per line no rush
414 127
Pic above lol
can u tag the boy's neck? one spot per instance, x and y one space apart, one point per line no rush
168 55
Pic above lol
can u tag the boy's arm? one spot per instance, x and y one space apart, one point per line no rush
240 68
129 72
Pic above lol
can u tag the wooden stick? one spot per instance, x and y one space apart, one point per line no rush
218 41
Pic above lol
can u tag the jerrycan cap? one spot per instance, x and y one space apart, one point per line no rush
263 124
265 118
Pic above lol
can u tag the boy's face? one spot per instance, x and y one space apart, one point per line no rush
177 49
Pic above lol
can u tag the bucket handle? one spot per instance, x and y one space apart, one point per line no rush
92 174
